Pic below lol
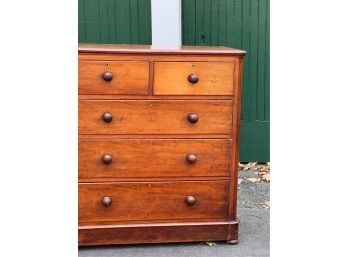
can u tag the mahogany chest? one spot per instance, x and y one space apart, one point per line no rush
158 144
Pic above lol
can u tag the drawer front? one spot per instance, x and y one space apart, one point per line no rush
114 77
153 201
155 117
139 158
193 78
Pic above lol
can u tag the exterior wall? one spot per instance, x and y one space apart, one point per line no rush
242 24
115 21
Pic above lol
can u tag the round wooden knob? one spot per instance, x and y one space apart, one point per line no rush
190 200
107 117
107 159
191 158
106 201
192 117
107 76
193 78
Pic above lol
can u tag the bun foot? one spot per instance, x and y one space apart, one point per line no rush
233 242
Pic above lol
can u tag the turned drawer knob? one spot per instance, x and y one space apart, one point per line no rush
107 159
192 117
191 158
106 201
107 76
107 117
193 78
190 200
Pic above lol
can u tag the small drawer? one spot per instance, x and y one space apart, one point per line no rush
193 78
139 117
153 201
112 159
114 77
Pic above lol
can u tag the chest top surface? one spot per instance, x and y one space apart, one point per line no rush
148 49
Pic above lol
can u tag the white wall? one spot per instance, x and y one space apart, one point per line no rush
166 23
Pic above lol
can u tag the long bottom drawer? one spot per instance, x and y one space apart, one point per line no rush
108 203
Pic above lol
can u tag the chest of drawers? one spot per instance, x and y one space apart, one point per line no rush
158 144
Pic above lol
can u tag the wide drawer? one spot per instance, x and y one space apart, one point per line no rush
153 201
107 160
155 117
193 78
114 77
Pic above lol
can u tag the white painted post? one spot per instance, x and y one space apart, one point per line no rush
166 23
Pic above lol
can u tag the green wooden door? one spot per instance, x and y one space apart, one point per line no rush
240 24
114 21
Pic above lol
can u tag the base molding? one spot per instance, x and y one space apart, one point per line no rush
159 233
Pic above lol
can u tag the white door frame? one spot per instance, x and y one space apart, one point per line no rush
166 23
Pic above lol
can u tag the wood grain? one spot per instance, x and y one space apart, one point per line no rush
155 117
153 201
129 77
148 49
215 78
153 158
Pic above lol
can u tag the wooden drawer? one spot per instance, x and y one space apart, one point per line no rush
153 201
214 78
128 77
155 117
107 160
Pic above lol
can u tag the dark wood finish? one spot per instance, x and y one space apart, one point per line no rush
193 78
106 201
190 200
191 158
149 201
113 77
107 76
155 117
107 117
158 233
139 158
107 159
158 144
192 117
